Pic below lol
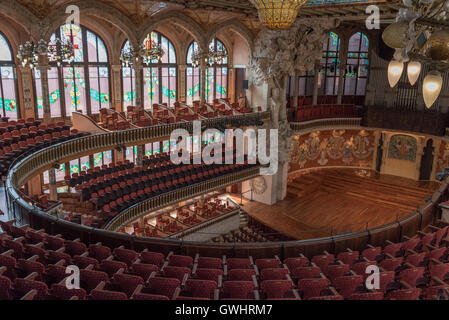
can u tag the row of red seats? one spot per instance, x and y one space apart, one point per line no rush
308 113
34 260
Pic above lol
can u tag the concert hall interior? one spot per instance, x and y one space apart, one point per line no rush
224 149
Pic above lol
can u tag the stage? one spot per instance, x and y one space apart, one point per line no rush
331 201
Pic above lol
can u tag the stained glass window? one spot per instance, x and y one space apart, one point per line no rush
128 83
330 66
85 82
102 158
192 77
357 65
8 93
217 74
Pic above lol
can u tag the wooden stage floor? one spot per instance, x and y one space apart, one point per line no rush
331 201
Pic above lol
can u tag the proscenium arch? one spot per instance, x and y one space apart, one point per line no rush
236 26
97 9
177 18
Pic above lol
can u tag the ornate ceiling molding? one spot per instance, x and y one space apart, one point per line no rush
236 26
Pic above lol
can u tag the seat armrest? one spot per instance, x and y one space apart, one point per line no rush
33 258
439 281
2 270
389 256
30 295
195 266
74 298
388 242
101 285
287 276
296 294
84 254
184 280
370 246
164 265
256 284
197 256
223 259
61 250
217 294
334 291
257 270
168 255
137 290
10 252
436 261
176 293
225 271
256 295
89 267
251 259
32 276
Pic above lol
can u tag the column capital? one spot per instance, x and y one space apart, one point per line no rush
116 67
182 67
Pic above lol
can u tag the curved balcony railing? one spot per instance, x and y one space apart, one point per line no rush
41 160
143 208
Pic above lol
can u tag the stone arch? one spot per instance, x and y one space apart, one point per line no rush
236 26
97 9
179 19
22 16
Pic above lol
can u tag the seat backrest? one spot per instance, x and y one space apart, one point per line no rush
276 289
201 288
164 286
312 287
238 289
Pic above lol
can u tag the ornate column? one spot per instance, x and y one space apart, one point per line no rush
341 78
140 154
116 87
231 84
27 93
52 184
182 82
43 67
315 82
295 89
203 69
138 72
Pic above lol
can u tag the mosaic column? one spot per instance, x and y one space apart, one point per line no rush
27 110
203 70
43 67
181 94
116 87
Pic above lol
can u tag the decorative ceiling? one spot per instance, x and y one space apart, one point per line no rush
138 9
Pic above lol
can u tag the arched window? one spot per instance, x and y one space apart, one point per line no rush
357 66
193 75
82 85
217 74
160 78
330 64
8 93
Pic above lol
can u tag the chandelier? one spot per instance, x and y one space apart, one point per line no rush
58 51
61 51
210 57
28 55
150 51
278 14
420 36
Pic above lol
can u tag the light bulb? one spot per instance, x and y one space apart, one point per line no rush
395 69
413 71
432 87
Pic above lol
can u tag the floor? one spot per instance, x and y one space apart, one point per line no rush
332 201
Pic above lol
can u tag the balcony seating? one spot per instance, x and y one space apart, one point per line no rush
28 269
308 113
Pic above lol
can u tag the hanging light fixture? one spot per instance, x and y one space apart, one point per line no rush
210 58
127 57
28 55
151 51
278 14
413 71
432 85
395 69
61 51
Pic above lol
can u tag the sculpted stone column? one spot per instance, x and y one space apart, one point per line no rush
181 95
231 84
140 154
116 87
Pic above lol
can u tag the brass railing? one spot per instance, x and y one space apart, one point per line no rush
178 195
297 127
74 149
